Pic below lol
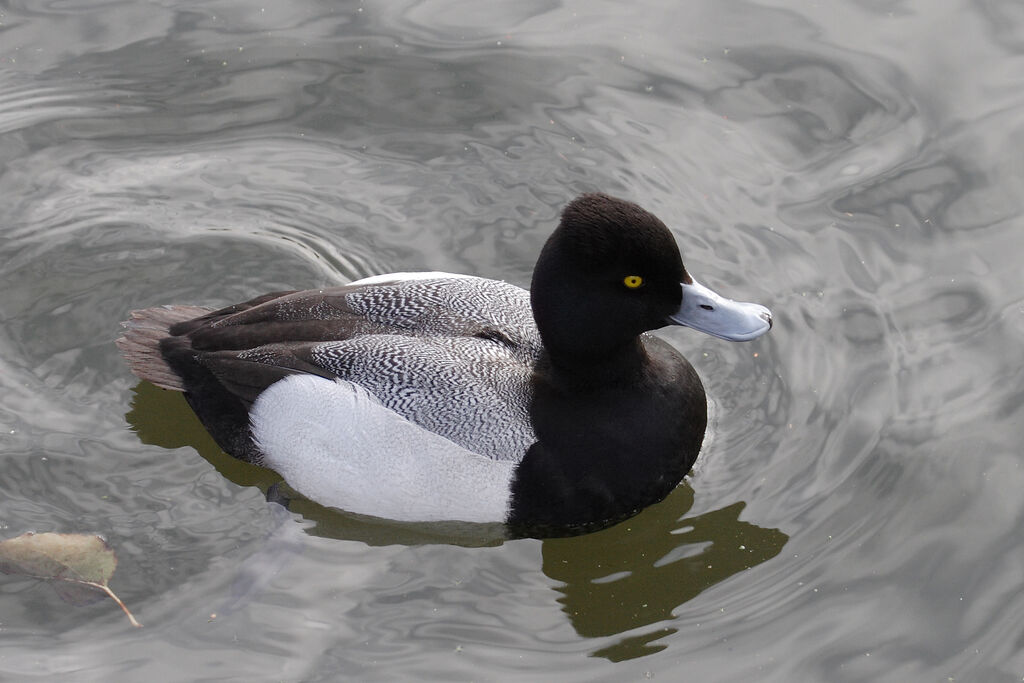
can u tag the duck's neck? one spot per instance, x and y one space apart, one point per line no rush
576 369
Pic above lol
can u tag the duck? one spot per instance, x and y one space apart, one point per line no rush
440 397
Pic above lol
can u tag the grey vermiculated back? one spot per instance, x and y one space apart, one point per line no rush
471 391
458 362
453 354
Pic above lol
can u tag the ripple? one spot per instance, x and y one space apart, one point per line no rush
25 103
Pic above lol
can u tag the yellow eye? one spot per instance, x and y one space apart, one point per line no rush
633 281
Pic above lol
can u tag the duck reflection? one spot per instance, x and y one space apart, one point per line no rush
638 572
631 575
164 418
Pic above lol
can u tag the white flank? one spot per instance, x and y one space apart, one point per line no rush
338 445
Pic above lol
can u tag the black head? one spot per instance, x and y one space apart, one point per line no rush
610 271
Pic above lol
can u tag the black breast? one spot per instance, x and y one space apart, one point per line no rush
606 451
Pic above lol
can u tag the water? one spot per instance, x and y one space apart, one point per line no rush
855 165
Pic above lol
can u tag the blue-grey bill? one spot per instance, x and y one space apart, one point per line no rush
704 310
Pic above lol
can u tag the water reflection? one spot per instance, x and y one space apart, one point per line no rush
639 572
164 418
628 576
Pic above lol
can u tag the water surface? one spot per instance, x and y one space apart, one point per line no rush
856 166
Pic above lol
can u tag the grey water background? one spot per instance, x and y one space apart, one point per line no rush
857 166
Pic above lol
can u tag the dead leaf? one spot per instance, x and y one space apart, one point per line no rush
78 564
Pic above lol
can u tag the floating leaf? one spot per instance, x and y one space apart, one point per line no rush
78 564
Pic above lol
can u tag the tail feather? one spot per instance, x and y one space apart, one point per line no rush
140 343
